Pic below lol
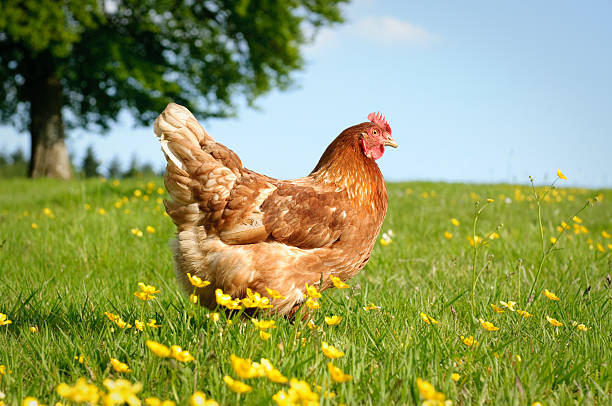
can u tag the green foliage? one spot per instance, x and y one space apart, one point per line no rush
90 163
13 164
141 54
78 263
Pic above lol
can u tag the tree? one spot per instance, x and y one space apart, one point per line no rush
90 163
77 63
114 168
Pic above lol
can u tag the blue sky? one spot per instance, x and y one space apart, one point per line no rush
475 91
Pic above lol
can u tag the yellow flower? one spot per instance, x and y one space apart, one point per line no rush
270 372
237 386
333 320
469 341
193 298
264 324
312 292
336 373
490 200
153 323
428 391
119 366
312 304
493 236
146 292
263 335
577 219
136 232
428 319
254 299
476 241
496 308
553 240
196 281
158 349
582 327
455 376
181 355
338 282
121 391
139 325
34 225
536 404
275 294
80 392
524 313
48 212
137 193
371 306
600 247
605 234
102 212
448 235
455 222
79 358
213 316
488 325
153 401
300 390
30 401
4 320
244 368
331 352
199 399
385 240
550 295
510 305
561 175
554 322
3 370
226 300
150 229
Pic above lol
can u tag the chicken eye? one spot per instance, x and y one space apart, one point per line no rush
374 132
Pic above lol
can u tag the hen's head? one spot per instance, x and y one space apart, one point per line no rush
375 136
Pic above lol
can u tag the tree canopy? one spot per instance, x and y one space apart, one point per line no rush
89 59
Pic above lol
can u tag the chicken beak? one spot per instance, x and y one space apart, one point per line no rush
391 142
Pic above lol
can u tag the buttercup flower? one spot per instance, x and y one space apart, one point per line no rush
509 305
146 292
153 323
455 222
121 391
80 392
469 341
4 321
158 349
338 282
154 401
371 306
199 399
336 373
428 319
274 294
264 324
333 320
237 386
272 373
561 175
550 295
181 355
119 366
428 391
497 309
331 352
448 235
312 292
524 313
554 322
263 335
488 325
312 304
196 281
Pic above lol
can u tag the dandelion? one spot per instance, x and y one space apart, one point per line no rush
509 305
448 235
561 175
275 294
146 292
338 282
196 281
469 341
554 322
263 335
154 401
455 376
331 352
264 324
158 349
136 232
312 304
336 373
181 355
237 386
150 229
371 306
455 222
488 325
524 313
199 399
119 366
153 323
550 295
4 321
428 319
34 226
121 391
333 320
497 309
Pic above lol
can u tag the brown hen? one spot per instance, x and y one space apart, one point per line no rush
239 229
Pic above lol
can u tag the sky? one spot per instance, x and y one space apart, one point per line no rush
479 92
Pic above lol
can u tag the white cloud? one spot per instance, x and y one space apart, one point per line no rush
391 29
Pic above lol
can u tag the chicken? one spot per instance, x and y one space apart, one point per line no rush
238 229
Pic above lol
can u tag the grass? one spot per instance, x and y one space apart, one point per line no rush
78 263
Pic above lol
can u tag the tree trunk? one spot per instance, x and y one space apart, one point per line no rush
49 156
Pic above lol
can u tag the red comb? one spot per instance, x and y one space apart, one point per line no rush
380 120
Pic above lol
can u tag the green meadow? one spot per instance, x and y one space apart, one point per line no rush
72 251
